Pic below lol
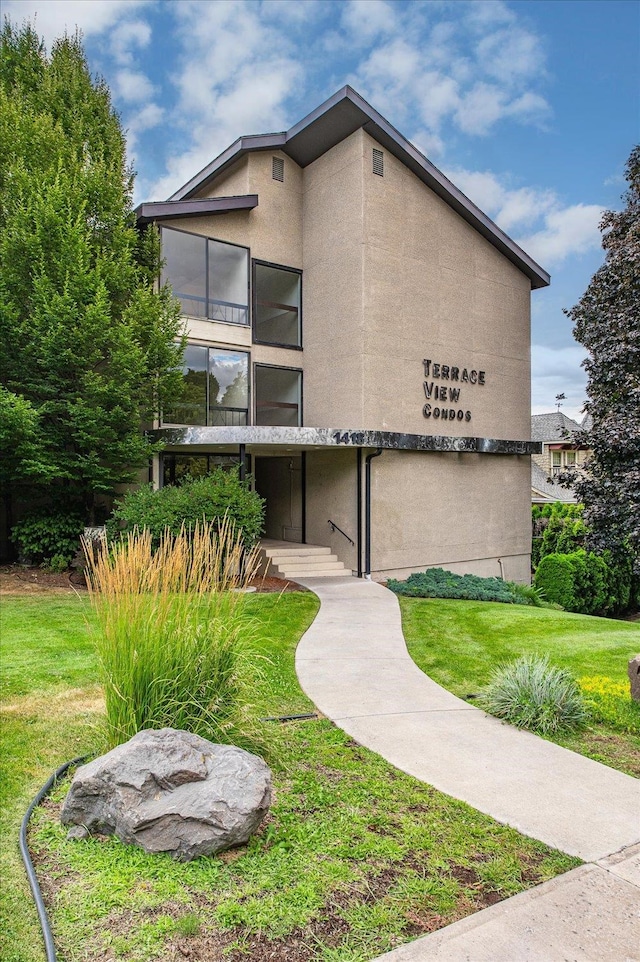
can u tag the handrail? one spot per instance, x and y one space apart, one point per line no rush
334 527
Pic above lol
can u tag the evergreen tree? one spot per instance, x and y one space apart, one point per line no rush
85 341
607 323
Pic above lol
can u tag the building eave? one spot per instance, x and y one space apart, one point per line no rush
172 209
336 119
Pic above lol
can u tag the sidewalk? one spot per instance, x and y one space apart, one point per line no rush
353 663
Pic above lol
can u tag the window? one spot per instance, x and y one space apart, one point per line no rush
176 468
378 162
210 278
563 461
278 395
277 301
216 388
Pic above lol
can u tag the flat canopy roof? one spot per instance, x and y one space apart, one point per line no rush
282 439
333 121
168 209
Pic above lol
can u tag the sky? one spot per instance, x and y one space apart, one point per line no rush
531 107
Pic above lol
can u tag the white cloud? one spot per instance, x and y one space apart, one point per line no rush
133 85
234 77
557 370
472 67
126 37
53 17
566 231
545 228
367 19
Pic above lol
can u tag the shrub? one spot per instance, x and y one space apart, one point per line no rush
211 498
530 693
44 535
585 582
438 583
554 578
174 637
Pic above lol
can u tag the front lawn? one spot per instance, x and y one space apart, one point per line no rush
458 644
354 858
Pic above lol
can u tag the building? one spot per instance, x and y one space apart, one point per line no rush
560 453
359 338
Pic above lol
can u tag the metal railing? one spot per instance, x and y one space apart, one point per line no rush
334 527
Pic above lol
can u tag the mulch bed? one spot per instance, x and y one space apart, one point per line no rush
20 580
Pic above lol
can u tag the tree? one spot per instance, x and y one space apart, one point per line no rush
86 343
607 323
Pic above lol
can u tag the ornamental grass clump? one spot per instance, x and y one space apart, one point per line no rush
174 635
531 693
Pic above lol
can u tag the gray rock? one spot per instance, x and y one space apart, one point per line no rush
171 791
634 677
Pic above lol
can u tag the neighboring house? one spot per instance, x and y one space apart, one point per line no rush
359 340
559 453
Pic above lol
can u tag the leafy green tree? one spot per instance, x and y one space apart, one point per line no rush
85 340
607 323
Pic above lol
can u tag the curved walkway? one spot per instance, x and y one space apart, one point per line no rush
353 663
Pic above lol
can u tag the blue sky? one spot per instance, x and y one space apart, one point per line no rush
530 107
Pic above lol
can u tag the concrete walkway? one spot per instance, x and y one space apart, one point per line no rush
354 665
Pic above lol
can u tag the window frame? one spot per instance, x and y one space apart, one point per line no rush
235 458
278 367
249 408
255 262
206 238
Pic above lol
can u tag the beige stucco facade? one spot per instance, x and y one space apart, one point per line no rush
392 275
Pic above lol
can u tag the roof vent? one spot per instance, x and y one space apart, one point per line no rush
378 162
277 169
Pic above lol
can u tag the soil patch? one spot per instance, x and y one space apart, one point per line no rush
24 580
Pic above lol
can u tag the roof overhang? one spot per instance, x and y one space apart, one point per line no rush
286 440
333 121
171 209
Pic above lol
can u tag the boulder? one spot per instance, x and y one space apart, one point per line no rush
170 791
634 677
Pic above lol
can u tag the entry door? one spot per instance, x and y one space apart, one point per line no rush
280 481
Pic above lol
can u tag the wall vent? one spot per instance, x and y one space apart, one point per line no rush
378 162
277 169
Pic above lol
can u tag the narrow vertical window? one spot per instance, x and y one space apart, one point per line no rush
277 305
278 396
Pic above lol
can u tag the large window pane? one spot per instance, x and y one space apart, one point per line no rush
228 387
216 388
192 408
278 396
277 306
176 468
228 283
185 269
209 277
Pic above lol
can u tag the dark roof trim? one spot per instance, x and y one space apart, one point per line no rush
333 121
167 210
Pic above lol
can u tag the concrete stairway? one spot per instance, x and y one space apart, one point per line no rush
290 560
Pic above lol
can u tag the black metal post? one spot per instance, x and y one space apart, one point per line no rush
359 509
367 508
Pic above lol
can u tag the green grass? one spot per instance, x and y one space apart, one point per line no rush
459 643
353 859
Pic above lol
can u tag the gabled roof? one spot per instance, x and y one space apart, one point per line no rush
543 489
552 427
333 121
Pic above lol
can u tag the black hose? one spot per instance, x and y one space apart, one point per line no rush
28 864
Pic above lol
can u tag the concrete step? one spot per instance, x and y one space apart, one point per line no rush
316 573
310 571
296 559
295 549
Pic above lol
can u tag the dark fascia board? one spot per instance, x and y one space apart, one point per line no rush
337 118
168 210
